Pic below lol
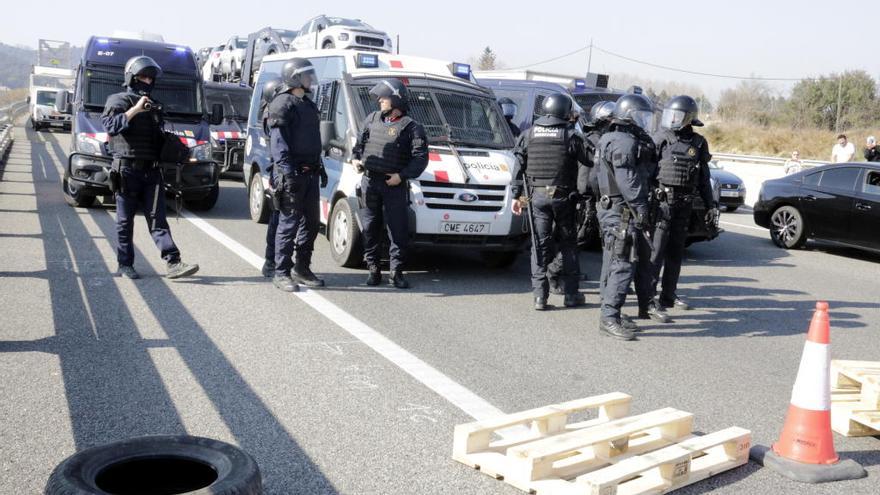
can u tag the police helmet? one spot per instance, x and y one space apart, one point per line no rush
680 111
634 109
270 89
601 111
557 105
393 89
140 66
297 73
508 107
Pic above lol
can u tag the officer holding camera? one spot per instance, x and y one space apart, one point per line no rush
136 128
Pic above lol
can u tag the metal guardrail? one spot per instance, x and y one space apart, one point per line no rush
763 160
7 119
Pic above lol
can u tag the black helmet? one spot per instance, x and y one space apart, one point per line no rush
680 111
633 109
393 89
141 66
508 107
297 73
601 111
270 89
558 105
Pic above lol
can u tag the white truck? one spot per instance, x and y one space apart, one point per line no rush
44 85
460 201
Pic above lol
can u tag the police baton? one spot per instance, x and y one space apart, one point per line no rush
533 233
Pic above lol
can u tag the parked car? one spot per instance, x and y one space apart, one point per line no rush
266 41
232 57
211 65
732 189
202 55
839 203
228 137
337 32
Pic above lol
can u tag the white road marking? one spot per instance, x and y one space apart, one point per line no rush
751 227
449 389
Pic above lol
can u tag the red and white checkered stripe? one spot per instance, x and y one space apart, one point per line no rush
100 136
190 142
222 135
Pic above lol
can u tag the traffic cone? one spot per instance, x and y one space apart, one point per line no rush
805 450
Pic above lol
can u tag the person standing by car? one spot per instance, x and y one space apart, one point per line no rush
509 109
872 151
270 90
549 155
295 145
794 164
391 150
843 151
136 128
683 173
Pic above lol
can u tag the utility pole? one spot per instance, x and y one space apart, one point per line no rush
839 91
398 44
590 58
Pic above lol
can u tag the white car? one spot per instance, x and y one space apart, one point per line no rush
232 57
211 67
336 32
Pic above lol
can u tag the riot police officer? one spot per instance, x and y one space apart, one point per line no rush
627 161
391 150
509 109
136 128
270 90
683 173
295 145
549 155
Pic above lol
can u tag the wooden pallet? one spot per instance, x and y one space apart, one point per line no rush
855 397
613 454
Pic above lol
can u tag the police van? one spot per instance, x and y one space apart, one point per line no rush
460 201
179 90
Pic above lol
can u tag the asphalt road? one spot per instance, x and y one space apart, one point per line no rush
352 389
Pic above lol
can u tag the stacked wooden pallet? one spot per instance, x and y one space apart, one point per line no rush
855 397
611 454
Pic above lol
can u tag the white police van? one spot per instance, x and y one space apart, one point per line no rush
462 198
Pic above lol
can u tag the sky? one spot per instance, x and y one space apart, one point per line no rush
777 39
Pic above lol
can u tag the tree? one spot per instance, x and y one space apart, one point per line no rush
814 102
487 60
749 102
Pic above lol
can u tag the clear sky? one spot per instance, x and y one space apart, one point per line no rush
785 39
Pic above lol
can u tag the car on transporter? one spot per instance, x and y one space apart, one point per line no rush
462 198
325 32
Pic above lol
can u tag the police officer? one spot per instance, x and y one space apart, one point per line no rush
270 90
509 109
295 146
627 161
683 173
549 155
136 128
391 150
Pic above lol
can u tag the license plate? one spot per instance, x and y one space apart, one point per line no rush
463 228
730 194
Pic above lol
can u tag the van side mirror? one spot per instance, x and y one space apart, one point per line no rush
62 101
216 114
328 134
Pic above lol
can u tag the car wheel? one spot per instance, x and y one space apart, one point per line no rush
257 204
345 236
158 464
731 209
498 259
73 195
787 229
206 203
328 45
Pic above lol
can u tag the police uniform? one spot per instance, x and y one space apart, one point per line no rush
549 156
388 145
270 89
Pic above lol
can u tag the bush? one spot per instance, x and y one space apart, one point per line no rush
813 144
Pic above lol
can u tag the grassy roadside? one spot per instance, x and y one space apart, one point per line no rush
813 144
12 96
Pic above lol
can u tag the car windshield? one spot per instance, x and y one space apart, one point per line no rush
286 35
236 104
178 94
587 100
338 21
240 43
46 98
463 119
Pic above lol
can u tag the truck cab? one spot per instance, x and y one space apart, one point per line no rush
228 137
45 82
179 90
460 201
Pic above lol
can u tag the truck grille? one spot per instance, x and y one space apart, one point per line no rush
447 196
369 41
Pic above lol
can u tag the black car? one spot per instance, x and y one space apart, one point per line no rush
732 190
229 137
838 203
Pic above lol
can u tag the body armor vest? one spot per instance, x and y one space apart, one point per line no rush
142 139
680 163
385 151
548 160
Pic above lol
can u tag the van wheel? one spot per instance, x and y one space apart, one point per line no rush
345 236
257 205
73 195
787 229
206 203
328 45
498 259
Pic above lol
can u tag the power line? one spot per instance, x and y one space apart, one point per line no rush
551 59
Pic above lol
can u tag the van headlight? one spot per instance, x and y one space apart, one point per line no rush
200 153
89 145
343 37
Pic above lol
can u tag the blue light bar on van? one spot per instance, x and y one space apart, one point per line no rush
367 61
580 83
461 70
180 48
103 41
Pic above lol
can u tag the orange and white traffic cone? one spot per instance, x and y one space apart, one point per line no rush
805 450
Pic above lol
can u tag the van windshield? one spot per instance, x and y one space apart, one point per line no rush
236 104
178 94
46 98
447 116
587 100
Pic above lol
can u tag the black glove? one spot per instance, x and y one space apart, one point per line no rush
324 177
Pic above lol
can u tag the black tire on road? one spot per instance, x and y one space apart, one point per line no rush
498 259
345 236
206 203
259 208
73 196
164 464
787 228
731 209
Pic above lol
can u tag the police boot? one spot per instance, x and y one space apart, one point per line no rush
181 269
574 300
285 283
128 272
398 280
305 277
375 276
677 304
654 312
540 303
268 268
614 328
